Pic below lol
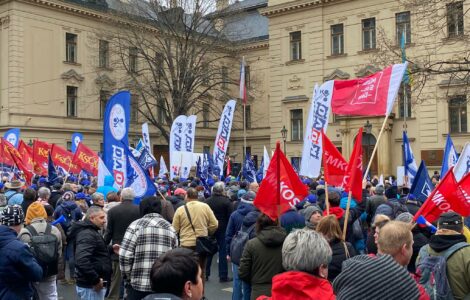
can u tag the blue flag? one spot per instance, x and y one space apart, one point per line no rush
146 160
115 141
137 178
259 173
422 184
410 163
249 171
450 156
13 136
51 171
77 138
198 168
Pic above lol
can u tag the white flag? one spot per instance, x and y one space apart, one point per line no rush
163 168
381 180
266 161
462 166
103 172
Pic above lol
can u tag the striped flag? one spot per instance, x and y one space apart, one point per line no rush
242 81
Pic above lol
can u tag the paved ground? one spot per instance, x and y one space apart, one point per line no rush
214 289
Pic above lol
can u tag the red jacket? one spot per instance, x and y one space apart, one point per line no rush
299 285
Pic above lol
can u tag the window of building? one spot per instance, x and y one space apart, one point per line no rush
296 124
134 108
247 76
337 39
72 92
206 149
205 115
458 114
224 77
403 25
69 146
133 51
104 54
455 19
70 47
295 45
404 91
368 34
104 96
248 116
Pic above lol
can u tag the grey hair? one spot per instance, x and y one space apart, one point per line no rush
44 193
218 187
97 196
305 250
127 193
3 200
93 210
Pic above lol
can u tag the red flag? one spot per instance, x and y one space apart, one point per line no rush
229 167
353 178
63 158
6 158
26 153
281 188
334 164
370 96
86 159
41 157
17 159
447 195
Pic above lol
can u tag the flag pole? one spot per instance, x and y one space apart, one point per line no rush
278 175
346 216
327 201
376 146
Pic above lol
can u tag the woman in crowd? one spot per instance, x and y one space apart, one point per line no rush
379 222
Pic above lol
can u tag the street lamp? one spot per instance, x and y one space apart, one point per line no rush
30 143
284 136
368 128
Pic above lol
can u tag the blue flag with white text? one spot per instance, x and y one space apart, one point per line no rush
410 163
77 138
249 171
51 171
450 156
13 136
422 184
138 179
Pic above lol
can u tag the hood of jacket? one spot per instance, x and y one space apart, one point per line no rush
272 236
6 235
79 226
109 180
244 208
251 218
69 206
442 242
300 285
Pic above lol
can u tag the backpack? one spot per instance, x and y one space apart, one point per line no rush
238 244
432 270
45 250
68 219
397 208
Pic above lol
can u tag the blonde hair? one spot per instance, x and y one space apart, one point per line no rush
329 227
393 236
380 220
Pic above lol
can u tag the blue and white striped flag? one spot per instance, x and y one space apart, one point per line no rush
450 156
410 163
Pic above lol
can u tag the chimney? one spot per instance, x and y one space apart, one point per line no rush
221 4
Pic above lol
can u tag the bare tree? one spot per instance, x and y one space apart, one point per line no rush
175 56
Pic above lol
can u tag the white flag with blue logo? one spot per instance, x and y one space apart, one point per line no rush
462 166
450 156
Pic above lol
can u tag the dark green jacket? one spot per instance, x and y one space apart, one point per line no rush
262 260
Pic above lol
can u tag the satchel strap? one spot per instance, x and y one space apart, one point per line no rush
189 217
346 251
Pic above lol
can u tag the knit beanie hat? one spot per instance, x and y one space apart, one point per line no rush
248 197
380 277
12 215
35 210
405 217
309 211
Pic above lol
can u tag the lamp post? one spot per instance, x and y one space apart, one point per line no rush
368 129
284 137
30 143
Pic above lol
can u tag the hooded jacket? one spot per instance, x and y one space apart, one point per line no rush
339 255
235 222
18 267
300 285
92 255
107 187
458 265
68 208
262 259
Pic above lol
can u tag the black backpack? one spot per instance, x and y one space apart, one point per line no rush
45 249
238 244
397 208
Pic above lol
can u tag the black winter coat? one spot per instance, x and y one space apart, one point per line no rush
92 255
222 208
339 255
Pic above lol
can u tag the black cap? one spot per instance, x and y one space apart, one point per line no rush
450 218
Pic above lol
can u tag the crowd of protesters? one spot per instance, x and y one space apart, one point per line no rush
116 249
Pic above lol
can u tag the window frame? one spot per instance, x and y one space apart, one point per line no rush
71 103
248 116
71 47
453 19
295 45
403 26
296 123
133 59
404 87
339 36
370 32
103 54
103 99
205 115
459 108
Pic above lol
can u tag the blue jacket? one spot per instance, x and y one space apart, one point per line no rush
235 222
291 220
107 187
68 208
18 267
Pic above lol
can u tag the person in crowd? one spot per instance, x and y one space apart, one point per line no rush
254 187
235 223
92 255
383 276
203 223
222 208
18 267
108 186
412 204
112 200
43 195
329 227
176 275
262 257
97 199
55 194
168 210
305 257
29 196
13 193
177 199
144 241
379 222
36 219
449 237
419 239
119 219
312 215
375 201
291 220
82 201
393 206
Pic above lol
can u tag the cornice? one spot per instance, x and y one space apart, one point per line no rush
68 7
254 46
291 6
